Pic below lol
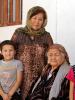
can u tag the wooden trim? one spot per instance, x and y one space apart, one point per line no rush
6 12
11 11
1 12
18 19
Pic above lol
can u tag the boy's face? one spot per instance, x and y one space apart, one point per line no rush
8 52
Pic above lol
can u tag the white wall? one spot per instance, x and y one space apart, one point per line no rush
50 7
61 22
66 26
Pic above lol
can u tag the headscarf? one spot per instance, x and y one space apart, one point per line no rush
32 12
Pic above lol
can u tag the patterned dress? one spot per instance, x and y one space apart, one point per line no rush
31 50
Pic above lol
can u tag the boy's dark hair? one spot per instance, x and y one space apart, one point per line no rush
7 42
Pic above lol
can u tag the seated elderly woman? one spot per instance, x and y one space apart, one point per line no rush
52 84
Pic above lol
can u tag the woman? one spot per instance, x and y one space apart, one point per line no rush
33 41
52 84
71 77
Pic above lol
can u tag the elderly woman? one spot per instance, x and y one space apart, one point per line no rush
32 41
52 84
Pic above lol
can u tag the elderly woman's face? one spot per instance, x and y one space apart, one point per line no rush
37 21
55 57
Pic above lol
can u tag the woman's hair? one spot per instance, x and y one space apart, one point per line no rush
61 49
36 10
7 42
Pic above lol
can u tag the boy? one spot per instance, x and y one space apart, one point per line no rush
10 72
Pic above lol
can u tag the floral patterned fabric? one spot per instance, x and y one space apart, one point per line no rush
31 50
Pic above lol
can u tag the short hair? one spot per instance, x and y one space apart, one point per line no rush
7 42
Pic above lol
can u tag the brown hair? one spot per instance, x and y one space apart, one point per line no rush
7 42
61 49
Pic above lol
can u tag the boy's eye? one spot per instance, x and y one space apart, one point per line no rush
8 50
5 50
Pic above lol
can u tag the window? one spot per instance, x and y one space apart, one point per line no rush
10 12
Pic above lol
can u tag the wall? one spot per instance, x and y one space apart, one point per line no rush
61 22
66 26
8 31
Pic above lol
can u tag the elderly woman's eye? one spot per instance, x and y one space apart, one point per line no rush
57 54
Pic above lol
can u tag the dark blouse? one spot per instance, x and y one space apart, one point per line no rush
41 92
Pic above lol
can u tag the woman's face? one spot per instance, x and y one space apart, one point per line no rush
55 57
37 21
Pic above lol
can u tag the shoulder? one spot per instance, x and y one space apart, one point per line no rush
47 33
0 61
20 30
19 64
18 33
70 75
17 61
48 37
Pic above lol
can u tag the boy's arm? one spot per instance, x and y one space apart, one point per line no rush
3 95
16 85
71 92
1 91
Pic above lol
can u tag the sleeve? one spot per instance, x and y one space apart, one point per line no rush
15 36
49 39
70 75
19 66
